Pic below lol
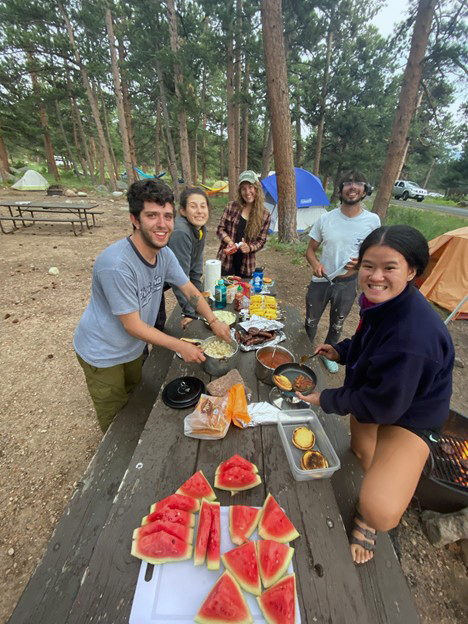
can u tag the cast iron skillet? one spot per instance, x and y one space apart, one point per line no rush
291 371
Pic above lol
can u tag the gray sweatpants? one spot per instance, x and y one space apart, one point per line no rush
341 295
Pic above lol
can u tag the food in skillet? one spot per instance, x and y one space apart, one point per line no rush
311 460
282 382
303 438
303 384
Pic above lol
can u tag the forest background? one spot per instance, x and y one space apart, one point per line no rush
102 86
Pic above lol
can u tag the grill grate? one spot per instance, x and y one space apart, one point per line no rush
452 468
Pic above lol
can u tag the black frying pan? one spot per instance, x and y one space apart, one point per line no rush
291 371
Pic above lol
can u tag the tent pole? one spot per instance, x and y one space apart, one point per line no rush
455 312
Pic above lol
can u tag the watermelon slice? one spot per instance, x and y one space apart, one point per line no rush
161 547
243 521
197 487
236 461
171 515
243 565
177 501
181 531
273 560
274 523
278 603
204 526
224 603
236 479
214 540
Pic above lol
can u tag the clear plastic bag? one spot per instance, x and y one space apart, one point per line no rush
209 420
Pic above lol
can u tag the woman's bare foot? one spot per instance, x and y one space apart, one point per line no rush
362 540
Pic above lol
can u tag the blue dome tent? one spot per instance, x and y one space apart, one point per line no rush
311 199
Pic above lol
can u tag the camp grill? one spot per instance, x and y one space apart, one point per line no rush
55 189
443 485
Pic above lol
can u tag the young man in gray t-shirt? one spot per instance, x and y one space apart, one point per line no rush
128 278
340 232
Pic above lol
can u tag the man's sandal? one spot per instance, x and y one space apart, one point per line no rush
369 534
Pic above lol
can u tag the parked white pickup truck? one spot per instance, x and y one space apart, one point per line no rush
404 189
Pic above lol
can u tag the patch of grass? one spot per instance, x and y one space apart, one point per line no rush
431 224
296 250
440 200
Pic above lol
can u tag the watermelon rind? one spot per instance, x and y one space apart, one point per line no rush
197 487
160 548
214 540
224 603
241 531
239 462
203 533
278 602
273 560
274 523
177 501
236 480
171 515
181 531
242 563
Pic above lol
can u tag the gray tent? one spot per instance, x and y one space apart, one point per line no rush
31 181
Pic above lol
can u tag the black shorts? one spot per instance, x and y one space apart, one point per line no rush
430 436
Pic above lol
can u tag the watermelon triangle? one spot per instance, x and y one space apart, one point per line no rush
224 603
203 533
171 515
177 501
236 479
197 487
214 540
273 560
161 547
243 521
181 531
243 565
274 523
278 603
236 461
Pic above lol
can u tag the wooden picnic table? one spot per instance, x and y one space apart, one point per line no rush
330 587
26 211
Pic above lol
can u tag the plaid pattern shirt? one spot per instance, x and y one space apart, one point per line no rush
227 227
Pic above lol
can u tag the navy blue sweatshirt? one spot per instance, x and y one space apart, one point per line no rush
398 366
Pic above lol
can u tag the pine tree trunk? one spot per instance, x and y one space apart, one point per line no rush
195 157
65 140
92 100
127 106
4 164
221 152
204 123
237 88
178 82
172 162
79 130
297 124
119 98
244 146
107 129
406 105
157 141
323 101
231 121
429 172
278 101
267 152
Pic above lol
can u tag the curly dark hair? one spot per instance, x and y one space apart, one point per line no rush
153 190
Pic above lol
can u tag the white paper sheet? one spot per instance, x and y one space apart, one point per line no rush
177 590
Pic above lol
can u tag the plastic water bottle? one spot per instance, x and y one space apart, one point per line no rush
257 280
220 295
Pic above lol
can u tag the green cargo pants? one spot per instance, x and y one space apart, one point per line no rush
109 387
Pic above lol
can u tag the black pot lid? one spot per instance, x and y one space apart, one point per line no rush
183 392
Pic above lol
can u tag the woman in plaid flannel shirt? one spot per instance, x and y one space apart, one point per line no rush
243 228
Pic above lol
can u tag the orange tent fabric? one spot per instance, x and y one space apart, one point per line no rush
446 279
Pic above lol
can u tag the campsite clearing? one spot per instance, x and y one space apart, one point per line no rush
48 429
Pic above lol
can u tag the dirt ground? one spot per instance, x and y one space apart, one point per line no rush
47 424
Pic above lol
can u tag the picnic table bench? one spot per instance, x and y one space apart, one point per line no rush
81 213
88 575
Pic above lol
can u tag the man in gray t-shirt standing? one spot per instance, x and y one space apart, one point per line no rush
340 232
128 279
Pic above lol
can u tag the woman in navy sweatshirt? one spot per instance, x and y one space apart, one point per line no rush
398 380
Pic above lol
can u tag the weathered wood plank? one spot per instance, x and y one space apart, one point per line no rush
52 589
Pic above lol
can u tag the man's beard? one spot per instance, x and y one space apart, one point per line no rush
149 241
352 202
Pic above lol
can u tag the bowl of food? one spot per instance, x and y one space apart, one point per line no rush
267 359
220 356
225 316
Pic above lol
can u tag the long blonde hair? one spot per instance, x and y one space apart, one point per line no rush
255 220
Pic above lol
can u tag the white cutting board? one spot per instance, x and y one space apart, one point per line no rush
176 591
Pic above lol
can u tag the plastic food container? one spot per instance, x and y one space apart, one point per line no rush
289 420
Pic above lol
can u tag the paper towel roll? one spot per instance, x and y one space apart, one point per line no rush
212 274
